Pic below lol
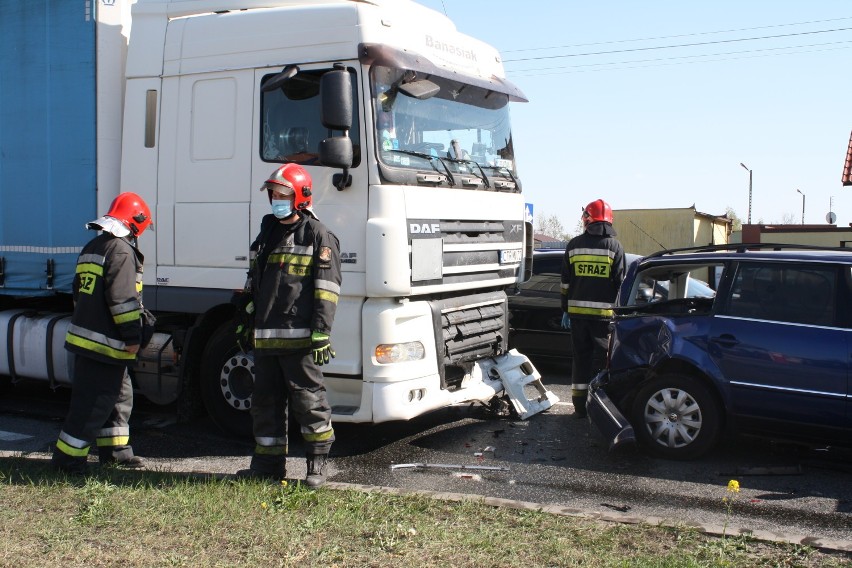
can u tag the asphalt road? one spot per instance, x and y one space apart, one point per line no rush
787 493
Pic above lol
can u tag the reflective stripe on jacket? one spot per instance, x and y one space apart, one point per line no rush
107 300
295 281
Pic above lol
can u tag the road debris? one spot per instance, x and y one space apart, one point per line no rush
619 508
465 475
447 466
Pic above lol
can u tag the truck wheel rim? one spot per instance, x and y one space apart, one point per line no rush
672 418
237 381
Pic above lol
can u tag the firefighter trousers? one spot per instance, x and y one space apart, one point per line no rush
101 403
289 383
590 340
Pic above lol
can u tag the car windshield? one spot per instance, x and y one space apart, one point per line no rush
459 136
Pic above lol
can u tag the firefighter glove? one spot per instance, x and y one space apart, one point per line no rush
566 321
244 322
321 348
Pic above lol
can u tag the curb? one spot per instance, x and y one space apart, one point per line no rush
713 530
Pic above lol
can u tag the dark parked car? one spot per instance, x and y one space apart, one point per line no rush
536 313
535 325
768 355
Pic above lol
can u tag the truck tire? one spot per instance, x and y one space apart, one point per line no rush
227 382
676 417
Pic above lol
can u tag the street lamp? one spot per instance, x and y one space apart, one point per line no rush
745 167
803 205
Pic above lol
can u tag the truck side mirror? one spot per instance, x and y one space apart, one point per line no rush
336 152
336 92
336 114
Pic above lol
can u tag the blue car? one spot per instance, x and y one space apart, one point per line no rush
536 311
767 352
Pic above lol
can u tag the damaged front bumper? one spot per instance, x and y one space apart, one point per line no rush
606 417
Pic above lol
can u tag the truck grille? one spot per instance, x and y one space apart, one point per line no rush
471 327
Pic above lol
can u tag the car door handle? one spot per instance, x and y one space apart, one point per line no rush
725 340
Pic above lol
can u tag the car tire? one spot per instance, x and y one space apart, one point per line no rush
227 382
676 417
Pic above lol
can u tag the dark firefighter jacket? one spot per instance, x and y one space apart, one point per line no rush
295 282
107 301
592 272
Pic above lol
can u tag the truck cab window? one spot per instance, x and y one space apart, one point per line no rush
291 130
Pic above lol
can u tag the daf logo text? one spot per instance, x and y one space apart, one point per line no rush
424 228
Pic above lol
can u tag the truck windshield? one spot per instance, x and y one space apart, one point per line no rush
462 133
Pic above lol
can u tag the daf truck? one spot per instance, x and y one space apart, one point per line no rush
402 122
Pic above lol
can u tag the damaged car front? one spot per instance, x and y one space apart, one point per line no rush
663 318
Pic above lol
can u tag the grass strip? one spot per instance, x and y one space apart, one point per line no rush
113 517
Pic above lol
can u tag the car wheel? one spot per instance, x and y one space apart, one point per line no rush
227 382
676 417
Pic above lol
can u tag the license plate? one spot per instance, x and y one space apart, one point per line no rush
510 256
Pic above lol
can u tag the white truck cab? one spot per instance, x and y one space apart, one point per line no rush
403 124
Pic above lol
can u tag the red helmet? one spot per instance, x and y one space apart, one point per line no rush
295 178
598 210
132 211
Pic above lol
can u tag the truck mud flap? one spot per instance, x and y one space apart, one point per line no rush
517 373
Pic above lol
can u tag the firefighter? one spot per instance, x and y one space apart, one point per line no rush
294 284
105 335
591 276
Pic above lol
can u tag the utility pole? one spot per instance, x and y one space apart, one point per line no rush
749 190
803 205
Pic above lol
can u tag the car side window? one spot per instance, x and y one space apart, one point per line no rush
789 293
663 283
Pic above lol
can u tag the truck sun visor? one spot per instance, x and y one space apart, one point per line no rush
376 54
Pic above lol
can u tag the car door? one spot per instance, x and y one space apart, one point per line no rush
782 348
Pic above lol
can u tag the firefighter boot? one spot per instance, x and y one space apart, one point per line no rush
119 456
579 406
70 465
316 470
272 468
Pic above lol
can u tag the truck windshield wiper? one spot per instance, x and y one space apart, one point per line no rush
503 172
481 175
431 159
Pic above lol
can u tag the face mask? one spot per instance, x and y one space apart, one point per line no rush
282 208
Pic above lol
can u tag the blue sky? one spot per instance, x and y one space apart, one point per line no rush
654 127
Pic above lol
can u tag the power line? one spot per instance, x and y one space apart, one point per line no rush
635 49
533 74
680 57
675 36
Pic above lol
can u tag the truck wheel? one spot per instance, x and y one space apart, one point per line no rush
676 417
227 382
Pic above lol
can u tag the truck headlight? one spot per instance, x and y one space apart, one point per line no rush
400 352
